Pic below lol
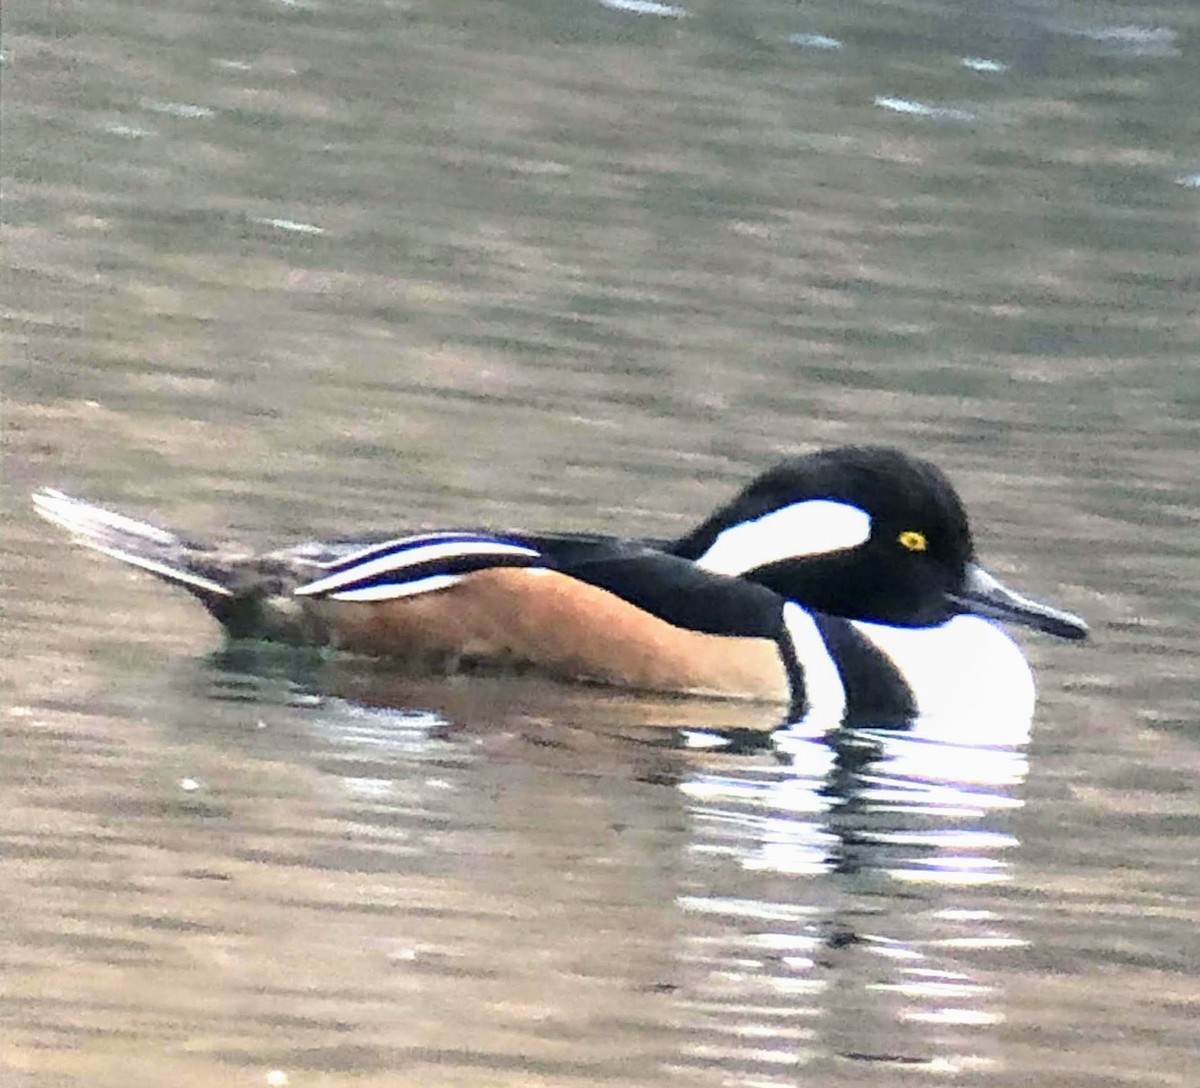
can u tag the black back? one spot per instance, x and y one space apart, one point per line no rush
665 585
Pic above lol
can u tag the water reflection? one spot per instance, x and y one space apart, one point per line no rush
877 933
814 897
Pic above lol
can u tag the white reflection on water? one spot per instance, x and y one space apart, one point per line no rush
837 896
646 7
185 110
397 732
922 109
983 64
814 41
885 840
791 818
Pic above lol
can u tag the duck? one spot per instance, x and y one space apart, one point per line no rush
841 584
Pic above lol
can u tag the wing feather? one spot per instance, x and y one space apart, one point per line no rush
407 566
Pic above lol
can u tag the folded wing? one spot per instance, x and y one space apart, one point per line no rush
672 589
411 565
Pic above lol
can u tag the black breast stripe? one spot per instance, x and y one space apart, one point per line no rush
876 692
795 671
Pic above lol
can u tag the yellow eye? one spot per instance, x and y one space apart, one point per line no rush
913 541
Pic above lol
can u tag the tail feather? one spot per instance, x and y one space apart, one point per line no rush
152 549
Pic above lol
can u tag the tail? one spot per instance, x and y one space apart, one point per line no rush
170 557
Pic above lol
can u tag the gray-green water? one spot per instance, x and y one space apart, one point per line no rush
284 270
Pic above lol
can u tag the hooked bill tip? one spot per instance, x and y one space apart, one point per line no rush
985 595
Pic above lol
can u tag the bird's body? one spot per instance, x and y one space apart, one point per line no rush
840 584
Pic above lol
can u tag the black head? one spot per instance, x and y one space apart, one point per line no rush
864 532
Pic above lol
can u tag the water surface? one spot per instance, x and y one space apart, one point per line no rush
285 270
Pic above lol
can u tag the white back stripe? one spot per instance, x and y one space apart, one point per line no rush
813 527
392 591
397 562
395 544
823 691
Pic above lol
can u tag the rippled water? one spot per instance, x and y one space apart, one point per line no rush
284 270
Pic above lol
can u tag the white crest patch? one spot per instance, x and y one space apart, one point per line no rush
813 527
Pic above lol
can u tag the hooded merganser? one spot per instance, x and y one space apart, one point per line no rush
841 583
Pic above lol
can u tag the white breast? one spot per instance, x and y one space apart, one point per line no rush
966 675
